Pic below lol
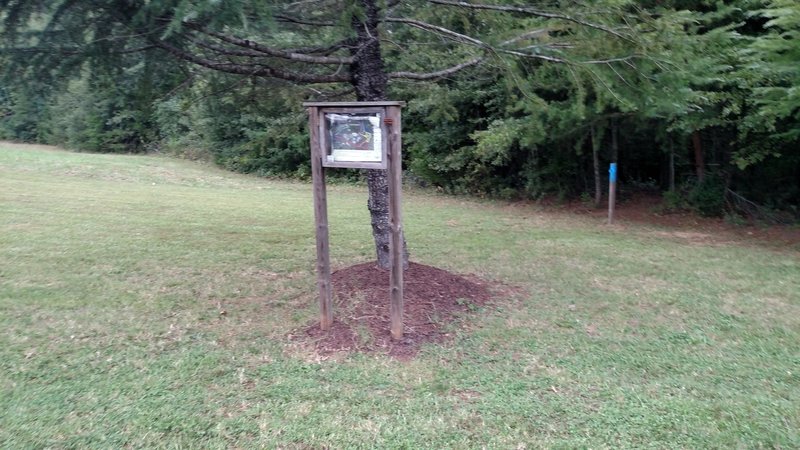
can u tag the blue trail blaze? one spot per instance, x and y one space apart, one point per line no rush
612 173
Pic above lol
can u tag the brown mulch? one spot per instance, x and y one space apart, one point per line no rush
433 299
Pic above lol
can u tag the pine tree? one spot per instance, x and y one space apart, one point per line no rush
360 43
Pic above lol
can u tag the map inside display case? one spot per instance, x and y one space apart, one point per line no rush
354 137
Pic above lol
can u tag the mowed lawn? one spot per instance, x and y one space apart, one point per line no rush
150 302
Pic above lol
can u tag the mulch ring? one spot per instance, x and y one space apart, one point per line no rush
433 298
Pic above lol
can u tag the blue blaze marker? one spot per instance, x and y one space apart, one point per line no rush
612 173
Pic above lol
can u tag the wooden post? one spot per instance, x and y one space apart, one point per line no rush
395 221
612 191
321 220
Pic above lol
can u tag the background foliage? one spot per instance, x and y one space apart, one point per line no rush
718 78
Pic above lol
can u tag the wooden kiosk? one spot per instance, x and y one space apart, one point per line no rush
359 135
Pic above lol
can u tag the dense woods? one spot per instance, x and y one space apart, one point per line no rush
698 100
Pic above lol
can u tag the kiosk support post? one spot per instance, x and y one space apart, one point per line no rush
395 222
321 219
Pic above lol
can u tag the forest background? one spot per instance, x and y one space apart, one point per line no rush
698 100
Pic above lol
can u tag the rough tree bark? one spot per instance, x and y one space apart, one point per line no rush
369 78
614 141
598 183
699 164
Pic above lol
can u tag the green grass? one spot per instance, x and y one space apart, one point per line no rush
114 270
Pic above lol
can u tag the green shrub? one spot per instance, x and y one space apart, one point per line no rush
674 200
708 196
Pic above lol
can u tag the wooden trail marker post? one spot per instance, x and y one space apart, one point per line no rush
612 191
358 135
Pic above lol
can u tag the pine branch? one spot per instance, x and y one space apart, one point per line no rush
270 51
224 50
259 70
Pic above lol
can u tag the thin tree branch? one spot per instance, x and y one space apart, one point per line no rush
438 74
70 51
325 96
531 12
183 84
224 50
252 69
301 3
300 21
228 88
527 35
605 85
133 50
41 50
458 37
269 51
324 50
128 37
612 60
532 56
611 66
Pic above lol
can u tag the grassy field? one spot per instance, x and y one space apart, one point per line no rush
114 270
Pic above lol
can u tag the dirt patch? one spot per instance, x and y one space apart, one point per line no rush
434 299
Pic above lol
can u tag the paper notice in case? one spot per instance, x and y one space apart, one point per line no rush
354 137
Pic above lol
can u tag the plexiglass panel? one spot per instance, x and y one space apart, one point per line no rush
353 137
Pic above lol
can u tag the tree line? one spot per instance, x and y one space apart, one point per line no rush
699 100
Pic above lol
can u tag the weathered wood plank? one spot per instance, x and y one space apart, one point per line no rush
352 104
395 221
321 221
353 110
355 165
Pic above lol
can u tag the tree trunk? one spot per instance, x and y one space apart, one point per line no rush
671 165
598 182
370 81
699 165
614 141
